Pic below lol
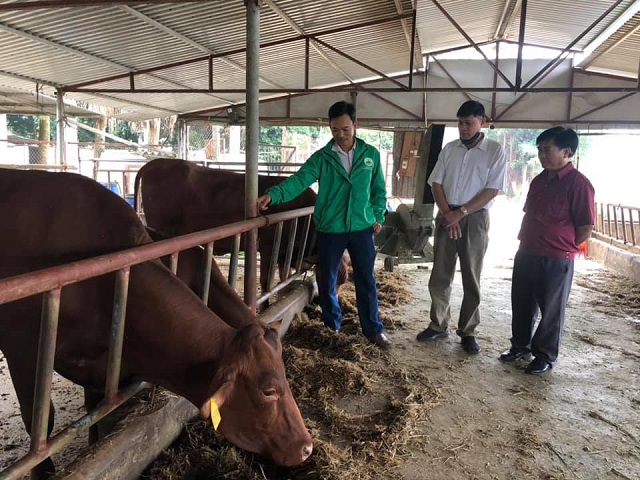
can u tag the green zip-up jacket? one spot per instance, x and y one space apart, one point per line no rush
346 202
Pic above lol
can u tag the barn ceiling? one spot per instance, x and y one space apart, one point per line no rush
147 59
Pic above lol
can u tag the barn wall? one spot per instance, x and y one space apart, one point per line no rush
621 261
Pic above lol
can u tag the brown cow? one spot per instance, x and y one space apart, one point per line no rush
171 338
223 300
180 197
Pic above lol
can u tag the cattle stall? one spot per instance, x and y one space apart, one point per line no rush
51 281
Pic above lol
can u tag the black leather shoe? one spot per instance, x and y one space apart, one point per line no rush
381 340
470 344
514 354
430 334
537 367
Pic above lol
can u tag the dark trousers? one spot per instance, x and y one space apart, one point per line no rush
362 251
539 283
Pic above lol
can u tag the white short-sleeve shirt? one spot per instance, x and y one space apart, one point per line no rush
463 173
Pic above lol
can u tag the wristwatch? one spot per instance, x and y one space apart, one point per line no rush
464 210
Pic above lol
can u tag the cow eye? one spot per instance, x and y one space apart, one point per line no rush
270 393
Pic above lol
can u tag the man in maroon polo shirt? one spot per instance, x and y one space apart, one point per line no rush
559 216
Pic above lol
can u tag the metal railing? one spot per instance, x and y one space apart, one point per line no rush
50 283
619 222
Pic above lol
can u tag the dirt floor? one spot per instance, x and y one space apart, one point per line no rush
430 411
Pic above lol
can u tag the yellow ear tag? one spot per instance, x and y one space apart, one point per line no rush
215 414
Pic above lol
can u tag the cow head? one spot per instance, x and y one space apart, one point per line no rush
258 412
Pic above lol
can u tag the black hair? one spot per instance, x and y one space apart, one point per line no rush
562 137
471 107
340 108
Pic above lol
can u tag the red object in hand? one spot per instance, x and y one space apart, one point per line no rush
582 250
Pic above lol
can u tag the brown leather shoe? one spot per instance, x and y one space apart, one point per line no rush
381 340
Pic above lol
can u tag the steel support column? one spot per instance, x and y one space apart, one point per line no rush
253 130
61 150
523 21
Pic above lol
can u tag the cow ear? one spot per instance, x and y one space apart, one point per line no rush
220 396
277 324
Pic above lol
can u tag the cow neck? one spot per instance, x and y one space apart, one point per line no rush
183 340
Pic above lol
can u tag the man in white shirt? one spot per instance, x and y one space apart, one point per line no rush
469 173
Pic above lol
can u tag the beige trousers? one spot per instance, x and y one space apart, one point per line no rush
470 249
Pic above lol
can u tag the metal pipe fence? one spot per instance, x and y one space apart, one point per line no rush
619 222
50 282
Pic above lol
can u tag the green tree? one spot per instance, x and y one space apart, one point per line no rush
23 125
123 130
520 149
269 135
378 138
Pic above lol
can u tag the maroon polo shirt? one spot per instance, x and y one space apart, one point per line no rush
553 210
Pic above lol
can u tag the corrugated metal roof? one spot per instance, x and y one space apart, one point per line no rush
74 45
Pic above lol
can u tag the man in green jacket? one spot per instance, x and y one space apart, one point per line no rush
349 211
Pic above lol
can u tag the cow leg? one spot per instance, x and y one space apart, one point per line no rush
22 367
265 262
91 399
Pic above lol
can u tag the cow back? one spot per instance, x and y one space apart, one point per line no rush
47 214
180 197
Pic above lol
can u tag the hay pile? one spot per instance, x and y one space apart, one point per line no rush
363 409
617 295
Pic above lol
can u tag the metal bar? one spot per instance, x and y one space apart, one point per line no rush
633 232
66 436
210 72
615 221
576 40
117 334
306 63
252 86
275 251
303 243
413 48
237 51
617 43
61 146
358 87
395 105
40 4
570 96
537 45
472 43
608 220
44 370
362 64
523 20
505 18
233 262
132 81
173 263
206 274
495 82
601 218
290 244
281 286
589 112
28 284
517 100
624 226
461 47
455 82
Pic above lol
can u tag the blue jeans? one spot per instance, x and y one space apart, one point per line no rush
362 251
